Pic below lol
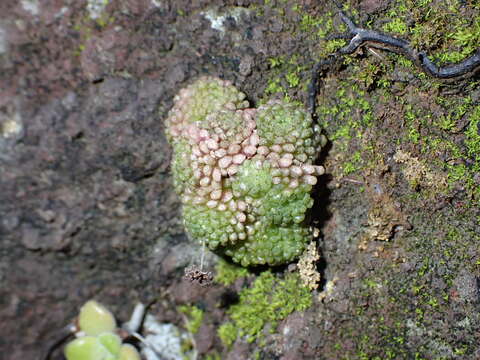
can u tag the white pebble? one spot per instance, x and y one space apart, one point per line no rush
277 180
230 106
251 124
196 151
273 156
203 134
277 148
208 160
207 170
197 173
232 205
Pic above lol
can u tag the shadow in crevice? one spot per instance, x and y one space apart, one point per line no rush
228 298
319 213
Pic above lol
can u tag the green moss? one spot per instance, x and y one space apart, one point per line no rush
353 164
473 137
194 317
289 73
403 61
104 20
370 75
275 62
274 87
465 39
293 79
457 169
425 126
445 28
350 111
227 273
227 332
269 300
437 124
387 332
212 356
308 21
333 45
397 25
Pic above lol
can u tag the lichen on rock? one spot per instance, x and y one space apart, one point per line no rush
244 175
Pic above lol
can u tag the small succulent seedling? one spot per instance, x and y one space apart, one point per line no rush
97 337
95 319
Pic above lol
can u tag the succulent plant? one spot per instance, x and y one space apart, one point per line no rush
97 339
244 175
95 319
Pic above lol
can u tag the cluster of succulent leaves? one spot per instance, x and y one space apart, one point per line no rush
97 339
275 231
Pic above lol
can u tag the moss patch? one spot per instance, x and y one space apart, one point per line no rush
227 273
193 317
269 300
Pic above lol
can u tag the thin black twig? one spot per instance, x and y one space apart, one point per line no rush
63 335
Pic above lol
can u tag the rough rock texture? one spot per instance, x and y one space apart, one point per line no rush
87 202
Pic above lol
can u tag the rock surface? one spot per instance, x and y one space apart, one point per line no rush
87 207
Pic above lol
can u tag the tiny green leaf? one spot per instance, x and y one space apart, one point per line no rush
128 352
95 319
112 342
86 348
